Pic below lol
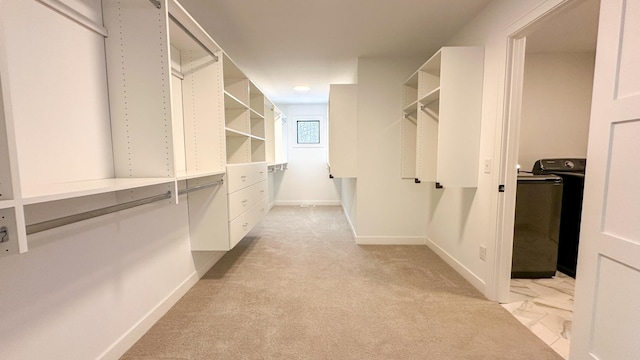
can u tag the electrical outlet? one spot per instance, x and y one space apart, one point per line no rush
483 253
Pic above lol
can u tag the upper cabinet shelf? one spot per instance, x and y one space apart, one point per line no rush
441 127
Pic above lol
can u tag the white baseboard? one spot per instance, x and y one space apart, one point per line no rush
350 222
390 240
126 341
457 266
308 203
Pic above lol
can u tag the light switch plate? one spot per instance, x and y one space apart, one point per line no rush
487 166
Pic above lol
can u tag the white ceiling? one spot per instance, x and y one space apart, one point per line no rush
283 43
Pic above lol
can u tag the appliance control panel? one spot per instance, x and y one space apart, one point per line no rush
556 165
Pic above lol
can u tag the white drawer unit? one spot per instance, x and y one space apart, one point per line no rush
240 226
242 175
244 199
247 198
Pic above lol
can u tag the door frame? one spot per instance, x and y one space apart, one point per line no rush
508 142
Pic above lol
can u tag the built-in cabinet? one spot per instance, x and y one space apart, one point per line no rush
343 130
164 119
247 198
442 104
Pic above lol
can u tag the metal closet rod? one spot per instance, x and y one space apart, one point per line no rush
66 220
200 187
193 37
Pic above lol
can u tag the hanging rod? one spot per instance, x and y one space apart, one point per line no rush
66 220
74 15
199 187
193 37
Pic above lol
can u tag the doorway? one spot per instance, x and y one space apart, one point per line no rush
552 63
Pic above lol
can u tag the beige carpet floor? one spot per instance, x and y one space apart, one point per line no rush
298 287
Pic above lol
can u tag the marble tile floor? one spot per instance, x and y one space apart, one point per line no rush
545 306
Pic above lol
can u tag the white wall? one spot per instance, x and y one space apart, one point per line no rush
556 106
82 289
306 180
462 220
389 210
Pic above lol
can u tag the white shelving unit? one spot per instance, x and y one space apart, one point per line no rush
442 104
244 113
148 108
343 130
152 122
246 117
273 137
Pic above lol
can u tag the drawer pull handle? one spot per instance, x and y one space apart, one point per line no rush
243 177
245 225
244 202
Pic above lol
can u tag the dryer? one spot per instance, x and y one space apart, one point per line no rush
572 171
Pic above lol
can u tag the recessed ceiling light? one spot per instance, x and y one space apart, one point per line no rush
301 88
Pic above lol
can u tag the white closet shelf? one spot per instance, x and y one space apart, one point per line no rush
256 115
186 175
434 95
7 204
232 102
61 191
236 133
255 137
433 65
411 108
412 81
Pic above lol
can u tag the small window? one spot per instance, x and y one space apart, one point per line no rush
308 132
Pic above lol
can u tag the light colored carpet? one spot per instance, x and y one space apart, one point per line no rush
298 287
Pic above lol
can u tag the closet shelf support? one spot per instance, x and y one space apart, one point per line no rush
66 220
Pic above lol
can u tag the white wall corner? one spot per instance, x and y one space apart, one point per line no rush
135 333
350 222
476 281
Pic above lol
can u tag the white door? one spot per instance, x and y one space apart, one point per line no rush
606 323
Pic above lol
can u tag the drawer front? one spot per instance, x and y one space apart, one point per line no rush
243 200
244 175
240 226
